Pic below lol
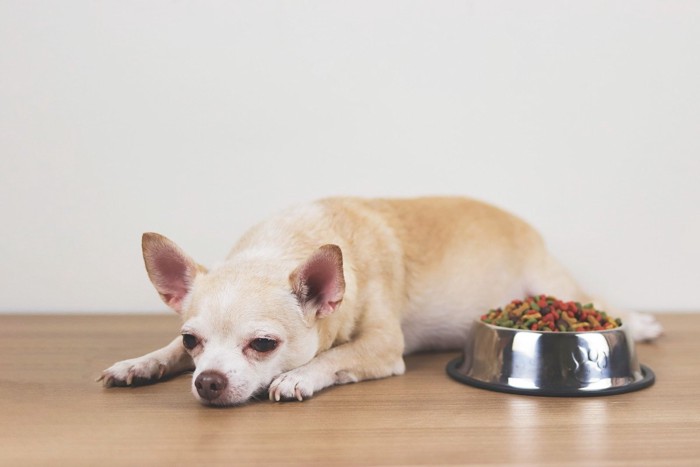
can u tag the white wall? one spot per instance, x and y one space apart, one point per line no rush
196 119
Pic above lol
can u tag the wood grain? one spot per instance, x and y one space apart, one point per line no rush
53 413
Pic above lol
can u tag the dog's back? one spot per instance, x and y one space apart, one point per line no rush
439 261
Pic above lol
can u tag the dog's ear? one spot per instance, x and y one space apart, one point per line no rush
318 282
171 271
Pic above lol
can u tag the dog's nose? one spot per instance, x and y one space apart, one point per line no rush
210 384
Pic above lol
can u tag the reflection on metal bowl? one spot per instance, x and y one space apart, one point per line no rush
550 363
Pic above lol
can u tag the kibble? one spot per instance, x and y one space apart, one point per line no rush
546 313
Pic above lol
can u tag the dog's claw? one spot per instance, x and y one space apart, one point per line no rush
275 391
290 386
130 378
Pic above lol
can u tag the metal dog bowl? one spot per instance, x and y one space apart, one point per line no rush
593 363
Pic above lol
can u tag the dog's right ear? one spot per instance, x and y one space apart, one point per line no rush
171 271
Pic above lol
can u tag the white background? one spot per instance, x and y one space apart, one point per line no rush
196 119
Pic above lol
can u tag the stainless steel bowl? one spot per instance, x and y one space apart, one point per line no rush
543 363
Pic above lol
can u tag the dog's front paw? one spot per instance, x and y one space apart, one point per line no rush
296 384
133 372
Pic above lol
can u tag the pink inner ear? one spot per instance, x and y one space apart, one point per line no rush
171 276
319 283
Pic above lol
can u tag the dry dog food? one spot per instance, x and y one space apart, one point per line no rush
545 313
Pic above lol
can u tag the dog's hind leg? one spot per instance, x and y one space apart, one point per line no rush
549 277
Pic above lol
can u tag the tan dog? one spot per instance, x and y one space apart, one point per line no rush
338 291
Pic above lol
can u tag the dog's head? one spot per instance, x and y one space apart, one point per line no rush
249 320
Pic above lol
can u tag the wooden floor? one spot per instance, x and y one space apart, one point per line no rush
53 413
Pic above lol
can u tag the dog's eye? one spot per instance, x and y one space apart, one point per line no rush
189 341
263 345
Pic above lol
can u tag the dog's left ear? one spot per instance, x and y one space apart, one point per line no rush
318 283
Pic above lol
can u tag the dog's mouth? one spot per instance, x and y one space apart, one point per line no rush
221 403
232 399
224 400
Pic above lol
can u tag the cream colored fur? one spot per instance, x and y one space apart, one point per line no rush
415 274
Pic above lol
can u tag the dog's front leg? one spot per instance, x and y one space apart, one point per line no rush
160 364
374 354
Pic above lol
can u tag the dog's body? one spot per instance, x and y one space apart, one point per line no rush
338 291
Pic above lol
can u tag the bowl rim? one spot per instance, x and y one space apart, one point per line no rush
621 327
647 379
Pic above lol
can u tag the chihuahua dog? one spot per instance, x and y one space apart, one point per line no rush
338 291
